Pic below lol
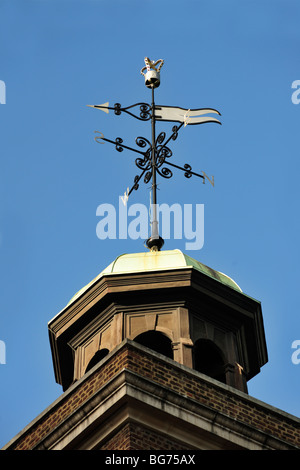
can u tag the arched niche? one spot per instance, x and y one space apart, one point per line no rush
156 341
209 359
96 358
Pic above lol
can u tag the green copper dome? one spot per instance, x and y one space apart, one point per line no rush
157 260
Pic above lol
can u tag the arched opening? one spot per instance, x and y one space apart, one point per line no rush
157 341
209 360
96 358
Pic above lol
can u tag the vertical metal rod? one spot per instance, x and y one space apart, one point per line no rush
154 228
155 242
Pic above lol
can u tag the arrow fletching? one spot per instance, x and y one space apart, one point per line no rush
188 116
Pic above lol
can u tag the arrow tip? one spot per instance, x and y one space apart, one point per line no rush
103 106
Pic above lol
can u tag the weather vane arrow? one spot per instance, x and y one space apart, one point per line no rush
156 154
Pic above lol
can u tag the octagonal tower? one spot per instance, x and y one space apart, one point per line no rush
170 303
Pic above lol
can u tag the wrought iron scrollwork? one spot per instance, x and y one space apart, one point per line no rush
119 141
144 115
175 132
142 142
160 138
145 110
149 162
147 177
165 172
162 152
188 173
118 109
143 163
162 155
136 183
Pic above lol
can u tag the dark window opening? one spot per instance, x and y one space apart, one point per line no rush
156 341
97 358
209 360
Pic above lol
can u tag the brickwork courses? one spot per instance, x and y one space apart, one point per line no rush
180 380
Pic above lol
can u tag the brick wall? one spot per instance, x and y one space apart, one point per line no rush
170 375
73 401
135 437
224 401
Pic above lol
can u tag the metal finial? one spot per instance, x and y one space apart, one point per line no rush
152 76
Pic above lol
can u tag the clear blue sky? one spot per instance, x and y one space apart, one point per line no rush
240 57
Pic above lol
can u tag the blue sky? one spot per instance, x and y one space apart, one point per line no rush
240 57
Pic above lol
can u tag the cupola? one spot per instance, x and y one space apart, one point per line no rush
170 303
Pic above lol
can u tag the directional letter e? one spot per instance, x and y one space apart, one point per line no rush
2 92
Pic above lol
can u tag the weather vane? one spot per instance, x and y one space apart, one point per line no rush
155 154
